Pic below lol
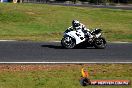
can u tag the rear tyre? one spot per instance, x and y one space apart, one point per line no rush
68 42
100 43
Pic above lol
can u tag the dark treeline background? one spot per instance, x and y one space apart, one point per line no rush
100 1
97 2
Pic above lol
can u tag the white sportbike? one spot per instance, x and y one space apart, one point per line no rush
72 39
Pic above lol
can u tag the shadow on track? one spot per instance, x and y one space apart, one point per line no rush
60 47
53 46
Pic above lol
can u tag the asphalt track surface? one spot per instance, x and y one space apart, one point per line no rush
23 51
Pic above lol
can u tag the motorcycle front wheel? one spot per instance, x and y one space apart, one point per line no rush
100 43
68 42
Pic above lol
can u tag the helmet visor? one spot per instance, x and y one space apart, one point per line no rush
76 24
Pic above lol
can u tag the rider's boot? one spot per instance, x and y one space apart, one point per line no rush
90 37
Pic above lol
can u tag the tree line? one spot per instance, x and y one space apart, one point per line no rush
100 1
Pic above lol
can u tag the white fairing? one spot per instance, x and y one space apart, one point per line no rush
77 35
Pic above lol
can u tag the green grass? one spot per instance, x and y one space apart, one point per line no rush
60 76
41 22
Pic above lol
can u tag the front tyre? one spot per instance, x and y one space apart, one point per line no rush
68 42
100 43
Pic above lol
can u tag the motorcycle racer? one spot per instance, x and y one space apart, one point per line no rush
76 25
79 35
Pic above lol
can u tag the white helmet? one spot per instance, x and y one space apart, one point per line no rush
75 23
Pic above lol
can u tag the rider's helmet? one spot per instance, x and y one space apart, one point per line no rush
75 23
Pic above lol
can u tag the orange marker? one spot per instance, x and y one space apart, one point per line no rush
85 73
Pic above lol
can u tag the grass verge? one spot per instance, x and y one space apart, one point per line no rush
41 22
60 75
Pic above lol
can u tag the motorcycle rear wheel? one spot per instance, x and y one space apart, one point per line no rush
100 43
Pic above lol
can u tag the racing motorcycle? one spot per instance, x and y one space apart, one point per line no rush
72 39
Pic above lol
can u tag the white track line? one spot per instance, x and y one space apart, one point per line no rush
6 40
65 62
120 42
